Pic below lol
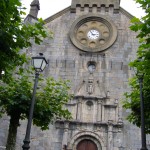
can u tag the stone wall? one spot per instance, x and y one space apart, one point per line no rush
110 77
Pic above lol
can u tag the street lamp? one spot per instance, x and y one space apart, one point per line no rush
140 76
143 135
39 64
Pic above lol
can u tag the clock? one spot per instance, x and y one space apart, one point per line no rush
93 33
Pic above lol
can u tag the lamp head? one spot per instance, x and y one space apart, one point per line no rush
39 62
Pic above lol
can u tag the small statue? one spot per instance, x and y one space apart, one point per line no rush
90 88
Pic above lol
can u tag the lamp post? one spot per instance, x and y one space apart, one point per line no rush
39 64
143 135
140 76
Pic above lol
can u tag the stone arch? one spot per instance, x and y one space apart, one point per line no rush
86 5
78 5
97 139
103 5
94 5
111 5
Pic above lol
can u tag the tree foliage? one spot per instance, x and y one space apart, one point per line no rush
15 94
132 101
15 35
15 99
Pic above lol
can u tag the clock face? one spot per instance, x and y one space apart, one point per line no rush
93 34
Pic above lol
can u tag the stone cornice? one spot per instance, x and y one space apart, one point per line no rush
77 122
89 97
95 3
127 14
60 13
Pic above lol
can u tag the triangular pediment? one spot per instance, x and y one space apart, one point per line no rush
68 9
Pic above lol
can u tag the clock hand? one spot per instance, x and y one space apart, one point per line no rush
91 32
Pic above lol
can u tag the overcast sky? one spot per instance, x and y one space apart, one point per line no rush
50 7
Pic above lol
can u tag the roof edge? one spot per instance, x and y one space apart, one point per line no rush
51 18
122 10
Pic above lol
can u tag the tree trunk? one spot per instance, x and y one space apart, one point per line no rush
12 133
0 74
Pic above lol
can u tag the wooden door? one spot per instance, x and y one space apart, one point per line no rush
86 145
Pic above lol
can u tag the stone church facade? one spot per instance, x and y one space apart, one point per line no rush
91 47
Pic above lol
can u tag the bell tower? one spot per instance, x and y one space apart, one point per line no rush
97 4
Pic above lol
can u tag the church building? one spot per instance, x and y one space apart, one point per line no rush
92 46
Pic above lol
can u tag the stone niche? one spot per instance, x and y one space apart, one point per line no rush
89 109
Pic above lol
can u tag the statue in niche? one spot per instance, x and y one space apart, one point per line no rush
90 87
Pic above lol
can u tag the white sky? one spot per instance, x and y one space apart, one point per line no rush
50 7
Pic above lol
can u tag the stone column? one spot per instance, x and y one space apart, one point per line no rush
65 135
110 136
99 110
117 110
94 9
103 112
79 110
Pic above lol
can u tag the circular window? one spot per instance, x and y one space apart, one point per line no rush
91 67
93 33
89 103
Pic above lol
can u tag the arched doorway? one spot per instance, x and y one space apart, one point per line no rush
86 145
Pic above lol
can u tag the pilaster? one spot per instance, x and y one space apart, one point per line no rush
79 110
65 135
99 110
110 135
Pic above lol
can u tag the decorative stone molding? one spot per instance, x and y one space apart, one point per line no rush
123 11
97 139
110 135
55 16
95 4
65 135
35 7
99 23
91 87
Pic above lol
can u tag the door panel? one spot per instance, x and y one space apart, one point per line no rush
86 145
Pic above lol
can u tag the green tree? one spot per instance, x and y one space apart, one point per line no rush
15 99
15 35
15 94
132 101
